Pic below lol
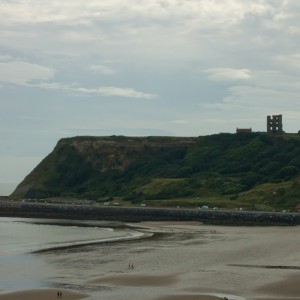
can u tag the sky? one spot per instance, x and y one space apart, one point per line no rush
139 68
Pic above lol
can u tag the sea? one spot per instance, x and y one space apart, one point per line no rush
38 253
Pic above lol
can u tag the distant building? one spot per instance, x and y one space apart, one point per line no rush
297 208
274 124
244 130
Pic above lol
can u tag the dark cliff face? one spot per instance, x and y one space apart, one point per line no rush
117 153
139 168
80 163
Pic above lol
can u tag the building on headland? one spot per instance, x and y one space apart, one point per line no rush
274 124
244 130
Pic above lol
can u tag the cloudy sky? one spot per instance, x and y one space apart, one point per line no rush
141 67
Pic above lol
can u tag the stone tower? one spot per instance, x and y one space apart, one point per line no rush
274 124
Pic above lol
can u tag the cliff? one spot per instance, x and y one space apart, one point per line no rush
79 164
250 167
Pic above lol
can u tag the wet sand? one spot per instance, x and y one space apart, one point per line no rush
51 294
289 287
251 263
189 297
137 280
191 261
45 294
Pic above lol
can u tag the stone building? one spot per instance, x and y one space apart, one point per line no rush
244 130
274 124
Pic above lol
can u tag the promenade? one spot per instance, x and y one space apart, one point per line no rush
138 214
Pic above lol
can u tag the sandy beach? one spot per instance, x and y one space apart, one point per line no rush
45 294
190 261
50 294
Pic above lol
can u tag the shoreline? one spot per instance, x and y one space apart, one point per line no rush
127 233
94 242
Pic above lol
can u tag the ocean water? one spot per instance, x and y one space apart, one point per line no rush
38 253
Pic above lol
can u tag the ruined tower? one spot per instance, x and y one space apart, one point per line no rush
274 124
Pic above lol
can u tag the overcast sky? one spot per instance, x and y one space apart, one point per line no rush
139 68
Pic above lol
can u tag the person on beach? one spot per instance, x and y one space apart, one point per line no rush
130 267
59 294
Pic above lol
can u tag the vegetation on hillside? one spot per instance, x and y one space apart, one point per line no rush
247 169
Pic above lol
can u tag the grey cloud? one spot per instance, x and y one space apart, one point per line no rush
37 76
228 74
22 72
170 30
101 91
255 99
102 69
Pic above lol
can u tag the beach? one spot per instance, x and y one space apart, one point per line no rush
45 294
181 260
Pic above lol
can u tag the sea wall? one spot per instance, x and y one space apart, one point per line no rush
146 214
